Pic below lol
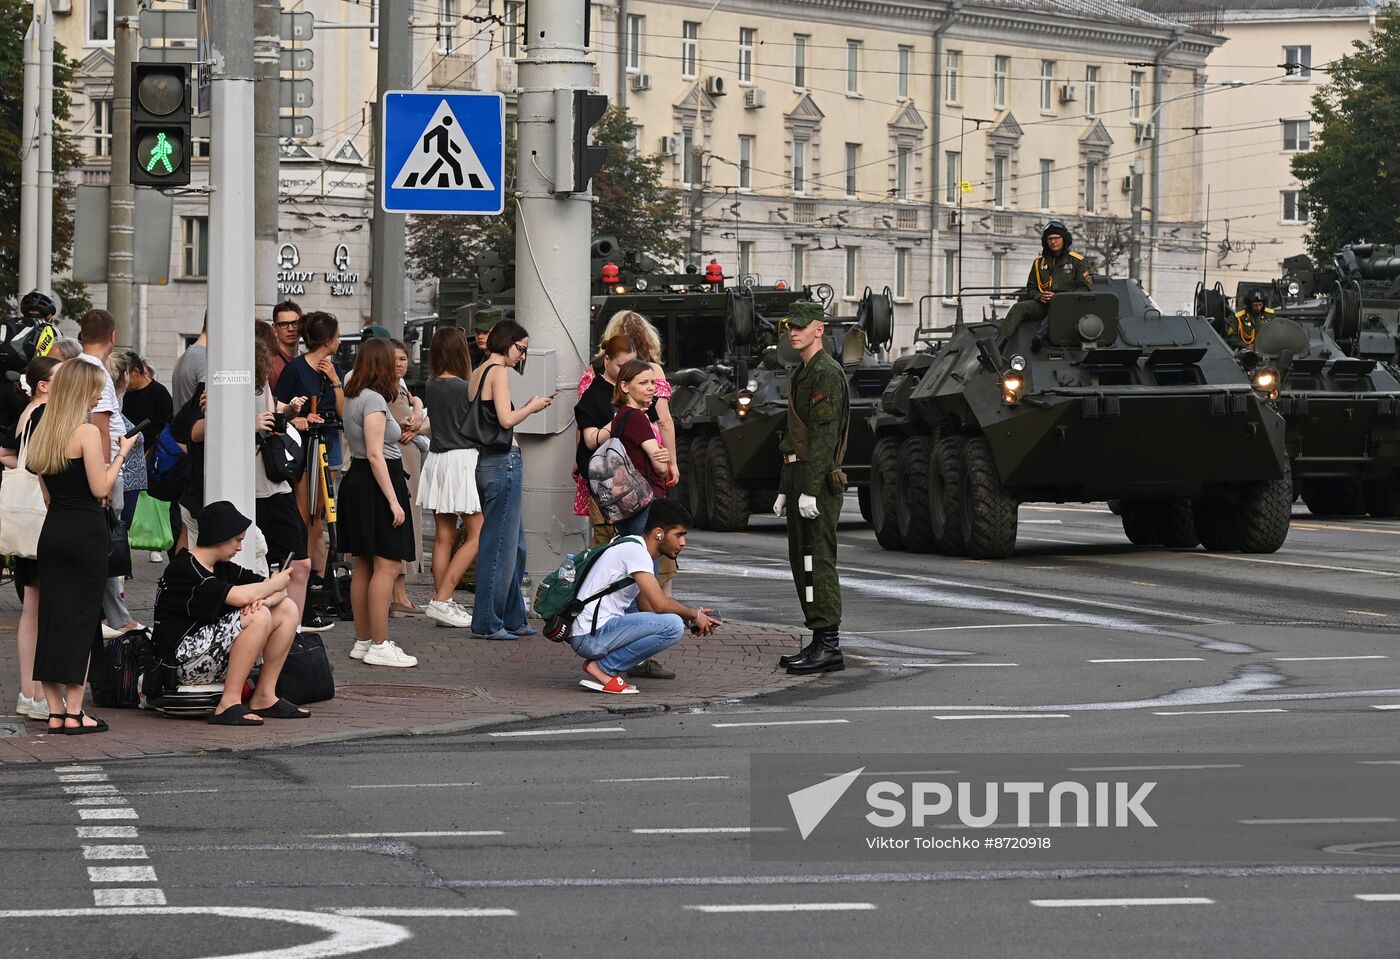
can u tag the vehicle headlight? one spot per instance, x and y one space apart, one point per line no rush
753 386
1013 384
743 403
1266 381
1018 363
640 283
1294 289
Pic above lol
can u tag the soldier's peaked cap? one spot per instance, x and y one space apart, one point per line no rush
804 314
487 318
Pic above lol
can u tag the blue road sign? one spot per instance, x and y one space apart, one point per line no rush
443 153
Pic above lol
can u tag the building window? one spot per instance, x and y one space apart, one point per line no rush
1295 206
746 163
901 274
1001 68
998 261
374 18
906 57
799 60
99 21
746 35
950 273
1135 94
852 66
852 162
515 27
195 250
745 257
799 262
690 48
952 66
1091 91
901 173
687 157
999 180
101 128
634 43
1047 168
952 165
1091 186
1047 85
1295 136
799 165
634 143
1298 62
447 26
852 265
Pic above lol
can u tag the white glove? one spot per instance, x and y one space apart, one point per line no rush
807 506
780 505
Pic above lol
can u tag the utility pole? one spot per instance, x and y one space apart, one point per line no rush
388 304
43 277
1135 244
267 73
121 223
229 470
695 243
553 234
29 171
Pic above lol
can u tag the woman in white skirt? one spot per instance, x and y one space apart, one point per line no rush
447 484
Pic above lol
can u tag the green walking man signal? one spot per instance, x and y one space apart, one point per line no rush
161 154
160 124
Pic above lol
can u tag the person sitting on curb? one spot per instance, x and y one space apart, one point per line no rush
214 619
611 638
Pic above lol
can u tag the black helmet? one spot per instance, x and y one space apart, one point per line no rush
1256 296
1054 228
37 305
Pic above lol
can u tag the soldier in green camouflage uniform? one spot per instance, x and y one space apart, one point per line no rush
812 486
1058 269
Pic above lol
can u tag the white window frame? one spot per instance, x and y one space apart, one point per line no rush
194 247
952 70
374 18
746 152
636 26
901 273
799 265
690 49
852 165
952 175
447 27
1047 174
1135 82
747 35
1302 55
853 48
950 274
1047 86
799 60
998 270
1296 199
852 271
1091 185
799 166
902 169
515 29
687 156
903 63
1091 91
102 126
1000 162
89 40
1301 131
1001 70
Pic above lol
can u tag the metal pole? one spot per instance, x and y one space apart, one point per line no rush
388 304
43 264
121 223
229 447
1135 246
29 175
1159 65
694 243
551 269
267 46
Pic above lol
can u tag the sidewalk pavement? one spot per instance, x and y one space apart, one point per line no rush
459 683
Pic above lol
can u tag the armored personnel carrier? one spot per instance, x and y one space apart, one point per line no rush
1108 398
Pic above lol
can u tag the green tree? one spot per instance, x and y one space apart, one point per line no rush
15 17
1351 175
633 205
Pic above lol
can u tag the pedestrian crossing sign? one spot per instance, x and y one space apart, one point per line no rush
443 153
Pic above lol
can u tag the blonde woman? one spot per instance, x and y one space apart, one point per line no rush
68 454
647 343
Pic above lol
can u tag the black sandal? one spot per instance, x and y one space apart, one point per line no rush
60 729
80 729
236 715
282 709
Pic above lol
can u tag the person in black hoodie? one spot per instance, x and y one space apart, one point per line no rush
1058 269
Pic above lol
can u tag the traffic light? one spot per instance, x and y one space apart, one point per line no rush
575 161
160 124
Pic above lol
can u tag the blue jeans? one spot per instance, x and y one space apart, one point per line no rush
635 525
626 641
500 565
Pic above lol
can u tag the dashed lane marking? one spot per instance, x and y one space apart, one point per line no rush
1387 706
1103 903
1378 896
109 897
1281 562
410 785
1160 659
660 779
1134 769
786 907
1214 712
1315 822
561 732
1367 612
783 722
932 665
704 830
372 912
408 835
1320 659
1008 716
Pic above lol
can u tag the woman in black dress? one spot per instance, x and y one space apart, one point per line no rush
68 453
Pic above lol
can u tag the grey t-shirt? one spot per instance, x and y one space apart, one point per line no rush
189 373
447 401
356 409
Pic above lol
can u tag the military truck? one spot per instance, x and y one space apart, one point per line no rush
1108 398
1342 412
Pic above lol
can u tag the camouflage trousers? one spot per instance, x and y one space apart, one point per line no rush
1027 311
824 609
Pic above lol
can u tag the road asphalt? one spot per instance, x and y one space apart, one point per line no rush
1261 693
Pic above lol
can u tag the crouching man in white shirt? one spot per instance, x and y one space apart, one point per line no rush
625 628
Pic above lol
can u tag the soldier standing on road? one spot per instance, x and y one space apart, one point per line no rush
1244 326
814 447
1058 269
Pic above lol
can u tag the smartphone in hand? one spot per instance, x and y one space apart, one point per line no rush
137 428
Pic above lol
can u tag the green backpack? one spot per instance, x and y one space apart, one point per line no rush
557 601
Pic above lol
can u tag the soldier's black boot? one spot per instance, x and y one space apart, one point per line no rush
825 655
805 651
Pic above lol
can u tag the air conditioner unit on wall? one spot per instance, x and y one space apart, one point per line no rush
714 86
1068 93
641 81
1143 132
755 98
1128 183
670 145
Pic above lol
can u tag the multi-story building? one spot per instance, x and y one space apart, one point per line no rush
1280 50
917 145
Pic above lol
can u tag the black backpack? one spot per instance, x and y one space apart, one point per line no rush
116 669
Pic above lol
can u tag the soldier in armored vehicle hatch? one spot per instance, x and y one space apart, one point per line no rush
1058 269
1242 328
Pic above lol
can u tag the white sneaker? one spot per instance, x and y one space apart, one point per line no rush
361 647
157 556
388 654
22 705
464 610
447 614
39 709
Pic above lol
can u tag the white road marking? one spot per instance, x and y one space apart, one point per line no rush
1367 612
1135 769
91 789
931 665
1313 822
106 832
704 830
788 907
1378 896
1215 712
1042 522
1320 659
562 732
121 874
391 911
408 835
1280 562
83 778
115 852
108 813
660 779
783 722
410 785
99 801
1163 659
65 770
1009 716
1097 903
951 629
1378 762
1387 706
128 897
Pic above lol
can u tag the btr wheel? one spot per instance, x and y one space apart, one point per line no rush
1175 524
988 511
1139 521
1265 513
697 491
915 528
863 500
1382 497
681 491
1217 523
884 486
945 494
728 502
